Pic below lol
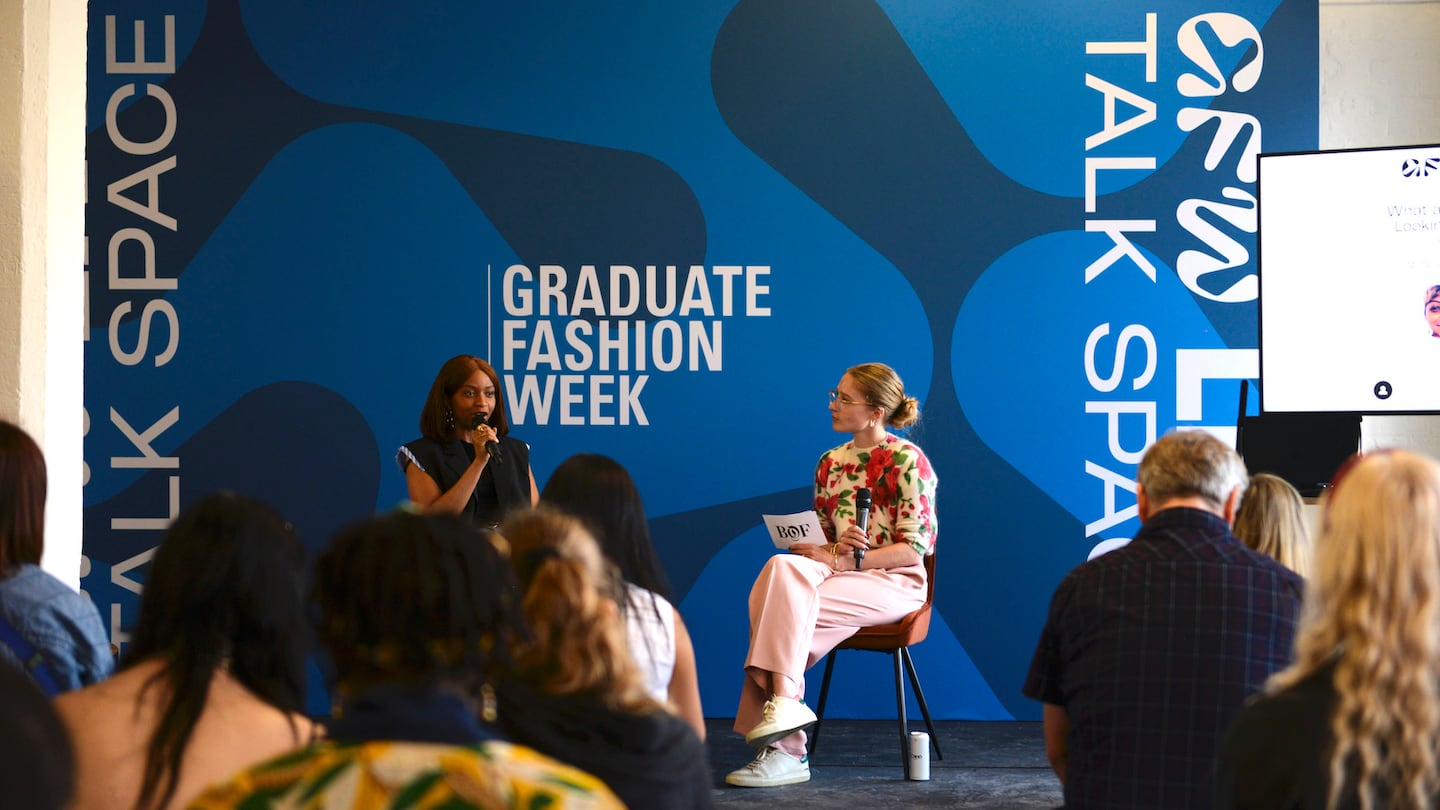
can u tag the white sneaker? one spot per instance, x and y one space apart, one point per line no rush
783 716
771 768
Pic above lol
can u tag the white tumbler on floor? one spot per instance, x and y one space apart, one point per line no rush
919 756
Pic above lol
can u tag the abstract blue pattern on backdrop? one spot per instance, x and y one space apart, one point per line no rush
1040 213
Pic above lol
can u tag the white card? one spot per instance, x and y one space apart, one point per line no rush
801 527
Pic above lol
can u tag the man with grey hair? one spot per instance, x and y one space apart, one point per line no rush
1151 650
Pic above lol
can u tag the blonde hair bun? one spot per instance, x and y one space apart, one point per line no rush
906 413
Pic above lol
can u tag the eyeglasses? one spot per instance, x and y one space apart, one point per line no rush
836 396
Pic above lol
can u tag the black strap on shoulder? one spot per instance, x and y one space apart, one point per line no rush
30 657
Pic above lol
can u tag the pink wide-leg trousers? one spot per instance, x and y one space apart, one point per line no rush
800 609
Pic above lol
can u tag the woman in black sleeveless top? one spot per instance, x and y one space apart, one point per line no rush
465 463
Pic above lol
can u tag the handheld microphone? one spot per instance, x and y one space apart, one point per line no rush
862 520
493 448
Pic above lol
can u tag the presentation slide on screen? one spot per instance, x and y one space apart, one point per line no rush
1349 269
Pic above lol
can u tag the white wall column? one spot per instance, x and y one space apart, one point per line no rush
42 250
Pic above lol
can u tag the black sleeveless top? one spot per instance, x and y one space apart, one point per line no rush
504 485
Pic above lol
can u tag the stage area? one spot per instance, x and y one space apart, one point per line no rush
996 766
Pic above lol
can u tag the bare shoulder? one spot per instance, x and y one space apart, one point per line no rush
121 692
231 706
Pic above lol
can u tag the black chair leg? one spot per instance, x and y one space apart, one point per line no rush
904 667
900 711
820 710
920 698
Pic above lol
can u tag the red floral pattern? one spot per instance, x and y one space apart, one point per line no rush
902 488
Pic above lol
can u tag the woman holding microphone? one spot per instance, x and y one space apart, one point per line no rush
805 602
465 462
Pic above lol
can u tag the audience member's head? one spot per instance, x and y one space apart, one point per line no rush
1271 520
224 592
415 600
1373 609
578 643
22 500
599 491
56 635
1192 466
417 612
37 767
1340 472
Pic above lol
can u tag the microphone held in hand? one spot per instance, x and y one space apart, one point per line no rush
491 447
862 520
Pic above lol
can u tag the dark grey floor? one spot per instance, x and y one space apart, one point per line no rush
998 766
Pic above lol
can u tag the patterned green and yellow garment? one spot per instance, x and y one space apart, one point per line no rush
490 775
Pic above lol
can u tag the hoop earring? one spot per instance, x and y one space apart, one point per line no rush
488 712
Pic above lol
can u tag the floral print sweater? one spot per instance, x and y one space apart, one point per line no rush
902 491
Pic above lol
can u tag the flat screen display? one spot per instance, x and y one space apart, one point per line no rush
1349 267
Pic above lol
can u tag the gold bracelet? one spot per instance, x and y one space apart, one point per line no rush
834 556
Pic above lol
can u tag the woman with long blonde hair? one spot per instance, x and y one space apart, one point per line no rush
577 694
1355 721
1271 520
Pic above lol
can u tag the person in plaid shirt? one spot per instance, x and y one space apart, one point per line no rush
1149 651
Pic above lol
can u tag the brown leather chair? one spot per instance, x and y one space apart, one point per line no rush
895 639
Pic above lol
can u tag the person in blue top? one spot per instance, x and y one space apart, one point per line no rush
46 628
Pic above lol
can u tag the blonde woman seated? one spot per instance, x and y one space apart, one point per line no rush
1354 722
577 694
1271 520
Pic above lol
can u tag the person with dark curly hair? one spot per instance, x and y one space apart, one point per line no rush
418 614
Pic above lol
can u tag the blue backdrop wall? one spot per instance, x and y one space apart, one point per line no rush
671 226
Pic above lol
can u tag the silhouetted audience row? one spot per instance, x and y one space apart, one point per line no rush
542 664
456 683
1181 670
